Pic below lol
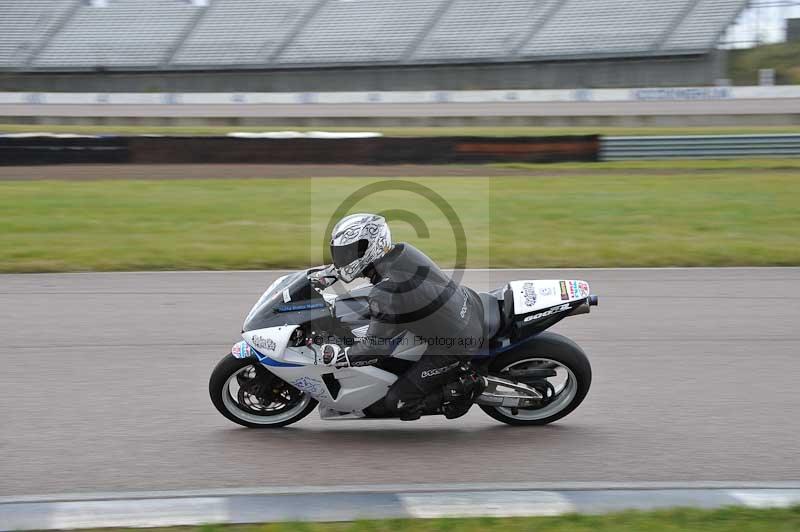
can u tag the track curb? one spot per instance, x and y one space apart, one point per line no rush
347 503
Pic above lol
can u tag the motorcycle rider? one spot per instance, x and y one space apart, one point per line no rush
410 294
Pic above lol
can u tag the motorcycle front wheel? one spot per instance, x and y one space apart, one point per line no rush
565 389
245 392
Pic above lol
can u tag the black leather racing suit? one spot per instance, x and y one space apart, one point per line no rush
411 294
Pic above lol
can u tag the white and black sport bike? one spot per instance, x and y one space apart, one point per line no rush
276 377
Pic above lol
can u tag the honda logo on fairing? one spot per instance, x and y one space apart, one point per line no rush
554 310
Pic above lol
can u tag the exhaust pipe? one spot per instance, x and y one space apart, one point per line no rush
583 308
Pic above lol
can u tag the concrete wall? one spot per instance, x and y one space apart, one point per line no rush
365 123
644 72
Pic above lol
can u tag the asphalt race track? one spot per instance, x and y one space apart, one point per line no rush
779 106
104 388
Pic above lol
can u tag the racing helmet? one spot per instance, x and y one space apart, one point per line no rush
357 241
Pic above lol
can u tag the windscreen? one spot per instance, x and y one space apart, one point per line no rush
289 300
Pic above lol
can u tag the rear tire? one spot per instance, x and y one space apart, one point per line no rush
227 371
546 346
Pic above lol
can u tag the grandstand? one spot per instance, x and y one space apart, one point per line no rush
241 32
368 44
25 27
122 34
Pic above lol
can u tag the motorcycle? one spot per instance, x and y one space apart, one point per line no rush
276 375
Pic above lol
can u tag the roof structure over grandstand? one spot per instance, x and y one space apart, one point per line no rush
264 34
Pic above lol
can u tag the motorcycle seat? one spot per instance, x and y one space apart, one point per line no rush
491 315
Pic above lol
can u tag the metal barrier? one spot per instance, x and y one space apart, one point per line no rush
699 147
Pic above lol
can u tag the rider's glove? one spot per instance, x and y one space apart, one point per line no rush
324 277
333 355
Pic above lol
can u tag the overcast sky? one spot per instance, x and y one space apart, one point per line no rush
769 24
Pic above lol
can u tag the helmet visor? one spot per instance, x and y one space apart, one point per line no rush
344 255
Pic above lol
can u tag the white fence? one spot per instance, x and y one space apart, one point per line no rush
410 97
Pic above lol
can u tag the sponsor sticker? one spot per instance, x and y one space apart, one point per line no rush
261 342
547 291
583 288
310 386
564 294
295 308
529 293
438 371
546 313
240 350
574 293
360 332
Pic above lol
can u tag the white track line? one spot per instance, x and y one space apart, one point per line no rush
139 513
405 488
767 498
485 504
347 503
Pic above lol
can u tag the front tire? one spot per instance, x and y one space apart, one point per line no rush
552 351
245 392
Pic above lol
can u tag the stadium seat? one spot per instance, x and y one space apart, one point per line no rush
603 27
124 33
481 29
242 32
352 31
704 24
24 26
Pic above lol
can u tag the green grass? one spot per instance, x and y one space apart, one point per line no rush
784 58
619 215
403 131
678 520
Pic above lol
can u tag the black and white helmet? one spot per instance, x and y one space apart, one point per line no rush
357 241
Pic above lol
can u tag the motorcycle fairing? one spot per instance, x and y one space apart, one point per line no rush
358 387
242 350
534 295
531 306
271 346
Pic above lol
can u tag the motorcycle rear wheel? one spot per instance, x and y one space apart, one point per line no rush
569 387
255 404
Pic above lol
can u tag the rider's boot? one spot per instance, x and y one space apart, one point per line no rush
453 399
411 412
458 396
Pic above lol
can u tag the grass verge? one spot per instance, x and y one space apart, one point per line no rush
717 217
401 131
683 520
783 57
